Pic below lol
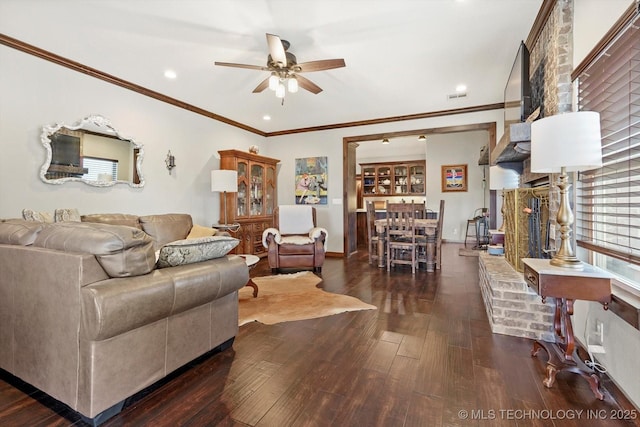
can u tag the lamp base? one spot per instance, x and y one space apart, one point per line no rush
567 262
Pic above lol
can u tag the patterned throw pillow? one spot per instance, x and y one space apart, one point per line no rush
31 215
189 251
67 215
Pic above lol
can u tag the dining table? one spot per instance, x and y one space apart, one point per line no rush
428 226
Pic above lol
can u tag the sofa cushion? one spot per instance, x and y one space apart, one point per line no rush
201 231
113 218
189 251
121 251
19 231
166 228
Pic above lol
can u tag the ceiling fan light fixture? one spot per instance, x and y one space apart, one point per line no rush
273 81
422 138
292 84
280 90
385 141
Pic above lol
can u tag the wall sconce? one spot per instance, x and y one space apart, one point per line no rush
385 141
170 161
422 138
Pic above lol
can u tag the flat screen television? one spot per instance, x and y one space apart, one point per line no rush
517 92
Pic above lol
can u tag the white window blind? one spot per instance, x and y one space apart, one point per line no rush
608 199
99 169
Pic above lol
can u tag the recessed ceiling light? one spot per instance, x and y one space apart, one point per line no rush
461 88
170 74
266 117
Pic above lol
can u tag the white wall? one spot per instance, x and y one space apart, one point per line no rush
36 92
453 149
593 18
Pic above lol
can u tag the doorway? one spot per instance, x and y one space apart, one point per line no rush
349 147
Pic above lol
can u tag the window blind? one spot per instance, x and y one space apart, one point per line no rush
99 168
608 199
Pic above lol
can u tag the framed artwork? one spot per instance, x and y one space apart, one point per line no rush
454 178
311 181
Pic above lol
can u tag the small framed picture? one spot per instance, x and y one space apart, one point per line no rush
454 178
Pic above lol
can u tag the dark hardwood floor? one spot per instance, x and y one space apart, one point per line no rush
426 357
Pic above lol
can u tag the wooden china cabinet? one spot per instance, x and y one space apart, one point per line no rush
254 204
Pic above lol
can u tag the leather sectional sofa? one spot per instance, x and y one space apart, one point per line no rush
88 318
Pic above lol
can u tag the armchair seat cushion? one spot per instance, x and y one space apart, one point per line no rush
286 250
295 240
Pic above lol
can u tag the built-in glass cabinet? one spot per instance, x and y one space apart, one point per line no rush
393 178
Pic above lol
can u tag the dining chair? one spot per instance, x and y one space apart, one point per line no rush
372 235
401 236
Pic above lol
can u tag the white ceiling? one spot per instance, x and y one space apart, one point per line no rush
402 56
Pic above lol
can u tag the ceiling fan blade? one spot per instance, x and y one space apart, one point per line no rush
250 67
324 64
307 84
262 86
276 50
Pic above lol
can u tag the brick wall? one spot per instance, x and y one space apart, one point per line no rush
512 308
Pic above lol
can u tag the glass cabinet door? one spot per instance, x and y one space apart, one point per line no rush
400 178
241 208
417 179
384 180
270 190
257 188
368 180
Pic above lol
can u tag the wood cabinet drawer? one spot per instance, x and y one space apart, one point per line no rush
532 279
259 227
590 284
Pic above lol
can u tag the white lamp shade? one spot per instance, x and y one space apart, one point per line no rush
502 178
224 180
570 140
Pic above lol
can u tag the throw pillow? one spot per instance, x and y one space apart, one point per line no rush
200 231
121 251
67 215
31 215
189 251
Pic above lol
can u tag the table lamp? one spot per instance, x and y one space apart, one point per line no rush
224 181
567 142
502 179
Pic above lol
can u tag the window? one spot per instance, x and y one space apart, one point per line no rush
608 199
100 169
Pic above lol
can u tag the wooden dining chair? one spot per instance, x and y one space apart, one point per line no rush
401 236
372 235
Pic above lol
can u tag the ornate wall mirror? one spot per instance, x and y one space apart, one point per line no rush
90 151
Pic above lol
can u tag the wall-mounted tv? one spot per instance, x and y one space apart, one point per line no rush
517 92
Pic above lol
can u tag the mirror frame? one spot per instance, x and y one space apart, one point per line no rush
100 122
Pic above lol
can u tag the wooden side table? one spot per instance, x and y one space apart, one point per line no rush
227 227
566 285
251 261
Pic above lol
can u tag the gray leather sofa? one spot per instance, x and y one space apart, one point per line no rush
86 317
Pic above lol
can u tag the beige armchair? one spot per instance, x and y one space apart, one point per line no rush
295 241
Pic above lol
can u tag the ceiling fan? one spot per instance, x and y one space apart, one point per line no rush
285 70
